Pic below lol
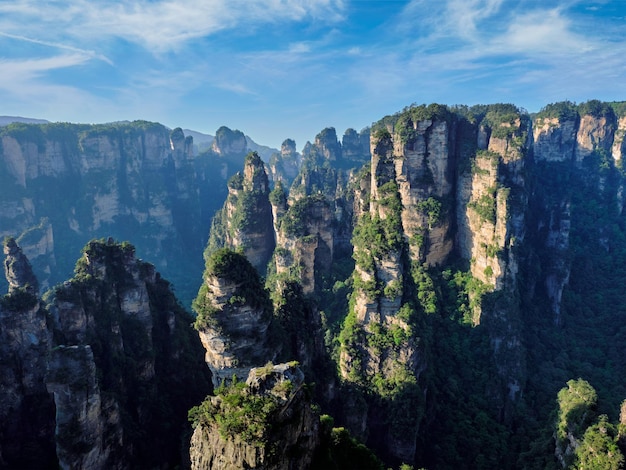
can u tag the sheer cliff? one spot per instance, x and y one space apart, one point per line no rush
473 232
453 296
102 374
245 221
64 184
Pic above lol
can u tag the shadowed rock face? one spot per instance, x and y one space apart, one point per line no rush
26 408
18 270
90 370
124 345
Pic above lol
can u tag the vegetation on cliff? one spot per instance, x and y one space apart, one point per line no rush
128 345
502 351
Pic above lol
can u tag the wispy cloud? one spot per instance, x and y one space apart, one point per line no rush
20 70
159 25
88 53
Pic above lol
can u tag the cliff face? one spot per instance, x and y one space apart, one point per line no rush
84 437
89 374
305 238
234 317
65 184
229 142
424 171
284 435
245 221
26 409
440 187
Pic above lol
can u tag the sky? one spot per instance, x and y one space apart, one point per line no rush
278 69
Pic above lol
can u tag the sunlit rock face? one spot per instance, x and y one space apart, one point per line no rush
245 221
234 317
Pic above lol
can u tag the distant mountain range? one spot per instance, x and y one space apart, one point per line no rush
201 141
6 120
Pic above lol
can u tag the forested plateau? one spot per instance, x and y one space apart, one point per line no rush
444 289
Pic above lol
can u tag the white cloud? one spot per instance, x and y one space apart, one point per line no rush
157 25
89 53
17 71
299 48
464 16
543 31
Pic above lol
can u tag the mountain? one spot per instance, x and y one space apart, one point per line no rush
102 373
64 184
482 268
6 120
450 295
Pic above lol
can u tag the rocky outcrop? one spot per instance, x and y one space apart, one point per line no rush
284 166
229 142
234 317
119 336
378 311
245 221
18 270
355 145
26 408
283 435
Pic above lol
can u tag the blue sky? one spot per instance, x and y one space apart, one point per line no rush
279 69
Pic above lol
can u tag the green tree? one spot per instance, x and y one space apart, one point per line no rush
598 449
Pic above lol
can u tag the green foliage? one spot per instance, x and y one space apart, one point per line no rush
406 120
338 450
249 214
375 237
278 196
619 108
562 110
20 300
432 207
599 449
485 206
294 222
596 109
576 405
237 412
236 181
233 267
426 293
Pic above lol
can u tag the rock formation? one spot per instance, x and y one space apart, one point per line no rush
85 379
284 166
65 184
272 424
245 221
26 408
234 317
